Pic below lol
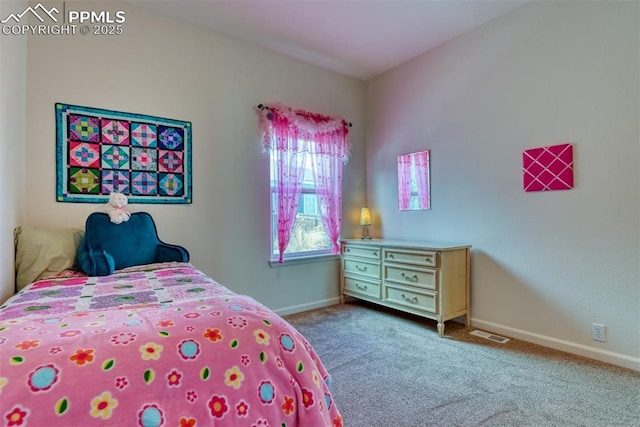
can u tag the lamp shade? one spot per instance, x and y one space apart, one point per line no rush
365 216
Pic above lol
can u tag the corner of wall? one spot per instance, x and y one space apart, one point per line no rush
13 70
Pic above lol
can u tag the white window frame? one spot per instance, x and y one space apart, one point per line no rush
289 256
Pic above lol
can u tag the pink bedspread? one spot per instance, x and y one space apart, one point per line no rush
158 345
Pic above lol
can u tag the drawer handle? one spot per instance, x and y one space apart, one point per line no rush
362 288
413 300
375 253
413 278
361 268
390 256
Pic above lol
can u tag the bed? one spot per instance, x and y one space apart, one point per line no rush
159 344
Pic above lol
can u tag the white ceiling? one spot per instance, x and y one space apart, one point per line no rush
358 38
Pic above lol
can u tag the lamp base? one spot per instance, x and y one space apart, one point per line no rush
365 233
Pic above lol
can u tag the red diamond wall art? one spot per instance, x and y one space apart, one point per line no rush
548 168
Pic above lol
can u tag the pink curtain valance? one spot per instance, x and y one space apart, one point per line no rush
329 133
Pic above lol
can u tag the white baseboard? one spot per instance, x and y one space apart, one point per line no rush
562 345
309 306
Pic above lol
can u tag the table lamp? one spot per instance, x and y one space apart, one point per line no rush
365 221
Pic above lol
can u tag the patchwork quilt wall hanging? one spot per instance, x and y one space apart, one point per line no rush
102 151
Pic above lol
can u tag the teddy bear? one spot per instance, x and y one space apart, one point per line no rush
117 208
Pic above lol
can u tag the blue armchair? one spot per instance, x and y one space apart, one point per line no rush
107 247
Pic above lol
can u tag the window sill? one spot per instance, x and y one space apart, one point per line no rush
304 260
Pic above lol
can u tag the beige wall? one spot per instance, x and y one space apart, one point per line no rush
545 265
13 67
165 68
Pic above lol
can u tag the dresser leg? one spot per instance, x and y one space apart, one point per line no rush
441 329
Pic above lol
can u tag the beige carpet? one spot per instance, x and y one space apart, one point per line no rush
392 370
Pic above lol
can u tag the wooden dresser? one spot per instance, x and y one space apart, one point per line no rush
428 279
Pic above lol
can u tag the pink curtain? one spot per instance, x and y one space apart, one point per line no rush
290 161
327 156
294 134
404 182
421 164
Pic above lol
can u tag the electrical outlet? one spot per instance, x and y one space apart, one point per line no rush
598 332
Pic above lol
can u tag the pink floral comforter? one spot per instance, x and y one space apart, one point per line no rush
157 345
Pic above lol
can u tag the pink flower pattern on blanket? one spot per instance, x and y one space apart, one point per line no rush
105 352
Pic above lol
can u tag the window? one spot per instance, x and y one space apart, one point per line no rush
414 201
413 181
306 155
308 236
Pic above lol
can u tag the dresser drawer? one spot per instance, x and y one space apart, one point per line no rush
361 267
416 257
408 275
424 301
361 251
362 287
